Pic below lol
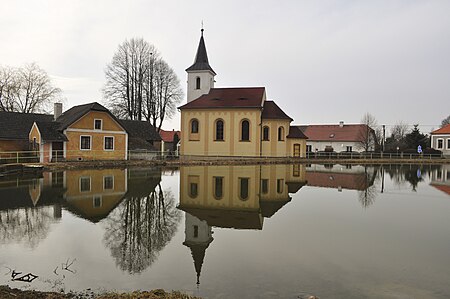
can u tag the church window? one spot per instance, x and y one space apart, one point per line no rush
219 130
266 133
197 83
281 134
194 126
245 130
218 187
243 188
264 186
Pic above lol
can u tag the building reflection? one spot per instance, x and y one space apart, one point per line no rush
138 216
238 197
440 178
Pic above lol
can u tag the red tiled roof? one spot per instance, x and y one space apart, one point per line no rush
356 132
239 97
352 181
443 130
443 188
167 136
272 111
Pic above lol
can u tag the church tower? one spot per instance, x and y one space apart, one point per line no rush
200 74
198 236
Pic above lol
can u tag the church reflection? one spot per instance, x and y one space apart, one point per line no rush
238 197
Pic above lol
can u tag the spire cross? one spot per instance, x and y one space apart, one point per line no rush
202 28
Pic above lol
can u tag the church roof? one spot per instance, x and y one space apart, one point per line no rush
201 62
232 97
296 132
272 111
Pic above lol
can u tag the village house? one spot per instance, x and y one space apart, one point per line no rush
440 140
170 141
338 138
238 121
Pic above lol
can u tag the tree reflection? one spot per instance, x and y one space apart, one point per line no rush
25 225
368 195
140 227
412 174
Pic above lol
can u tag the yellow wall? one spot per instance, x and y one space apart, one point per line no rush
203 143
290 145
85 127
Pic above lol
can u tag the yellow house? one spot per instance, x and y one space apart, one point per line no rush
227 122
85 132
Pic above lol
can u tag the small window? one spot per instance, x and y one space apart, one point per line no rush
97 124
108 183
195 231
193 190
197 83
109 143
296 170
264 186
349 149
281 134
309 148
218 187
245 130
85 142
243 188
448 143
440 143
219 130
266 133
194 126
85 184
97 201
280 186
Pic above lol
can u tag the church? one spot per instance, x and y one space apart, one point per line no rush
236 121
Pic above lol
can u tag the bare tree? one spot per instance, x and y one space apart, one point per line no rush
27 89
370 134
445 121
140 84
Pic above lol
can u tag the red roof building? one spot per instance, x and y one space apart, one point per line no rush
440 140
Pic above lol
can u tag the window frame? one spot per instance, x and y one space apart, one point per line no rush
437 143
280 186
242 179
242 131
104 143
101 124
448 143
198 83
264 133
215 181
281 133
99 197
104 182
216 132
90 143
80 184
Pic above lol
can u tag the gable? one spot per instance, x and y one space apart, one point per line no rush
86 122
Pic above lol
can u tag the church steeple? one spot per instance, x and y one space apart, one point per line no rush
200 74
201 62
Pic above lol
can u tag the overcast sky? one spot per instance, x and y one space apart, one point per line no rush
321 61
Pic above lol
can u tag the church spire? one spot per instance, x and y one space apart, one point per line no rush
201 62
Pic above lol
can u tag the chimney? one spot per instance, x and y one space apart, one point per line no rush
57 110
341 124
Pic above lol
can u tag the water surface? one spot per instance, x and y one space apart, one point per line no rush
277 231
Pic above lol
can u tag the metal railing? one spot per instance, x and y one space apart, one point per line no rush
371 155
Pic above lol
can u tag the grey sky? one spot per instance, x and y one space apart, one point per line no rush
322 61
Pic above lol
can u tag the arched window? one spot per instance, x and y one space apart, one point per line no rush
218 187
266 133
245 130
219 130
243 188
197 83
281 134
194 126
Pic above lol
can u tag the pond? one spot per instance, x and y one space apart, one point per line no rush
271 231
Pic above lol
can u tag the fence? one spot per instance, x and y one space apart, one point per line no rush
371 155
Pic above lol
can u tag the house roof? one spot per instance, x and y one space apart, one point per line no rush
136 143
17 126
75 113
201 62
49 131
232 97
272 111
352 132
352 181
140 129
443 130
443 188
295 132
167 136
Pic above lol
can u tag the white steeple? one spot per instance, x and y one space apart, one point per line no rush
200 74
